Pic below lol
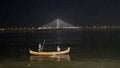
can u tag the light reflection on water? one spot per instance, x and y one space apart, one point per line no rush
49 58
60 62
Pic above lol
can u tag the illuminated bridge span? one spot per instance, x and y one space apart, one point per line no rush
58 28
58 24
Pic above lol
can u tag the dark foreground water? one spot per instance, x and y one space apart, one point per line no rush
89 49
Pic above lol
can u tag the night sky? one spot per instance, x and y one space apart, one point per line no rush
76 12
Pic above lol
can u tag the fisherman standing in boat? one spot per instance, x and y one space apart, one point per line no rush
39 48
58 48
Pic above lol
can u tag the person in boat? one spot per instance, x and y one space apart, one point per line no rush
58 48
68 48
40 48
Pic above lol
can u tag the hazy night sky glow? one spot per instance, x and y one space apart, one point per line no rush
76 12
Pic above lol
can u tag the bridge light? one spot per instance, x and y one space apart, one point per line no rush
39 28
94 27
24 28
32 27
20 28
15 28
2 29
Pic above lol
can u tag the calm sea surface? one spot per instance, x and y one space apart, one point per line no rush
89 49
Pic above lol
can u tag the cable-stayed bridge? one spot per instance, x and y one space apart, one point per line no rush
58 24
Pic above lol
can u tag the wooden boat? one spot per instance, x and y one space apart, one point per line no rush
50 53
41 53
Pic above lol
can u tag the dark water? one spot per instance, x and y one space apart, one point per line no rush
89 49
